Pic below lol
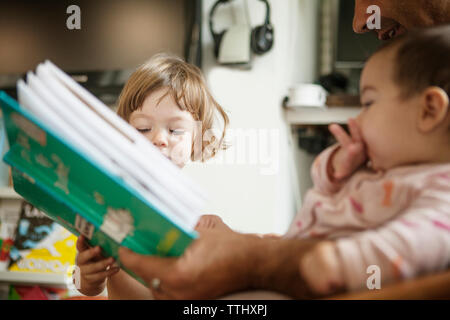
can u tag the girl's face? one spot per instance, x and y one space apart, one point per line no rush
168 127
388 121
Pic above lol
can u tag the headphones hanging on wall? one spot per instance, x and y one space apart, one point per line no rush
261 38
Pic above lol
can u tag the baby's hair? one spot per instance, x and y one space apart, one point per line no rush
422 59
187 86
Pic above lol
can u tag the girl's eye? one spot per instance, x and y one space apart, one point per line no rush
144 130
177 132
367 104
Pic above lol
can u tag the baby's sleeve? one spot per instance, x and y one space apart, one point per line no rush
417 242
319 172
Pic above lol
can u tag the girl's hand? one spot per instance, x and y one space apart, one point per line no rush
352 152
93 268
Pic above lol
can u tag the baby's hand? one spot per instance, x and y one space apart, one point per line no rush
352 152
93 267
210 221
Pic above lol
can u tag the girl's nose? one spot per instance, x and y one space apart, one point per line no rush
159 138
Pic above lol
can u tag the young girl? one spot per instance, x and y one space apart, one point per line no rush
167 100
383 192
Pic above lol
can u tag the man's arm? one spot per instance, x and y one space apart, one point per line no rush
220 263
277 266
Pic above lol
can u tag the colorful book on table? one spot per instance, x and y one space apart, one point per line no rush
90 171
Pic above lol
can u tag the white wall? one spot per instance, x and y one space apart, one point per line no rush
258 196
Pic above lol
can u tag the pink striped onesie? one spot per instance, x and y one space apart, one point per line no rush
398 220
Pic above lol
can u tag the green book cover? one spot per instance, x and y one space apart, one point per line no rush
83 197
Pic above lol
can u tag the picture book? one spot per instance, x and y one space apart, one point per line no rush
91 172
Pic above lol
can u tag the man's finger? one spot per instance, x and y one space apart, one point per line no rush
146 267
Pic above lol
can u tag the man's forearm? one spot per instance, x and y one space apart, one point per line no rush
276 266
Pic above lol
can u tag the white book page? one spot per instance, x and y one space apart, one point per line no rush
124 152
69 108
36 105
142 144
33 103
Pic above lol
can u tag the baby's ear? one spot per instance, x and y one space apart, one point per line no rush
434 107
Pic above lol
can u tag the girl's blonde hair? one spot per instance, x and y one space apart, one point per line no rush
187 86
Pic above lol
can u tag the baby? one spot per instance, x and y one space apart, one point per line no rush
383 192
167 100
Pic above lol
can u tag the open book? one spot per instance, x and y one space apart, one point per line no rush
86 168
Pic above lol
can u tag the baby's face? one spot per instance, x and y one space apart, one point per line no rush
387 122
168 127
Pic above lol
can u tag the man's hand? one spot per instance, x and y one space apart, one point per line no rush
223 262
352 152
212 266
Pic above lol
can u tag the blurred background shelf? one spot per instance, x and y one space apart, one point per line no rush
319 116
30 278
